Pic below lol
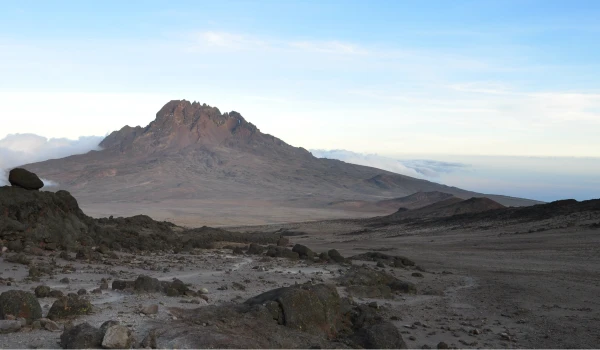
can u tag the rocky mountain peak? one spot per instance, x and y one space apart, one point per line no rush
180 124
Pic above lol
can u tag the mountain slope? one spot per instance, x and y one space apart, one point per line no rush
192 161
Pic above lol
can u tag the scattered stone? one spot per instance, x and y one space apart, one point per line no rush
50 325
442 345
104 284
121 285
82 292
255 249
396 261
364 276
303 251
237 251
149 342
20 303
381 336
17 258
281 252
283 242
417 274
82 336
25 179
237 286
65 280
9 326
42 291
69 306
117 337
65 256
336 256
56 294
146 284
150 309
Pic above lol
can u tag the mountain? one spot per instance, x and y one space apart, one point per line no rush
443 208
195 165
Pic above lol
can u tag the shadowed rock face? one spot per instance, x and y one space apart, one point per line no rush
55 221
313 309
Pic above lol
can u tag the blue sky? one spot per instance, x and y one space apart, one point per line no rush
395 78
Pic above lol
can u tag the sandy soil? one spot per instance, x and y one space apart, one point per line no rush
538 288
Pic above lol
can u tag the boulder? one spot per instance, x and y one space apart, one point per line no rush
150 309
149 341
364 276
303 251
56 294
283 242
69 306
117 337
121 285
336 256
382 335
25 179
146 284
310 308
82 336
255 249
42 291
49 325
281 252
9 326
20 303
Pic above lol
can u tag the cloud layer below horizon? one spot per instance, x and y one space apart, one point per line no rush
540 178
21 149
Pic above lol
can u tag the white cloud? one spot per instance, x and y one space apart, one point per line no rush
421 168
20 149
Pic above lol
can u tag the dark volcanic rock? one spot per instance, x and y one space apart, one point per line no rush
42 291
396 261
24 179
310 308
69 306
303 251
336 256
146 284
122 285
54 221
301 316
56 294
281 252
255 249
283 242
382 335
82 336
363 276
20 303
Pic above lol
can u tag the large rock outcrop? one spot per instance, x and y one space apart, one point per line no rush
25 179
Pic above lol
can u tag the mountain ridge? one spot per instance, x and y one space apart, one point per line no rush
192 152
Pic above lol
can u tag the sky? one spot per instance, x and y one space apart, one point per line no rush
399 79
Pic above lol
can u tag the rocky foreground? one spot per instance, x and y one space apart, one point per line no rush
72 281
467 281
